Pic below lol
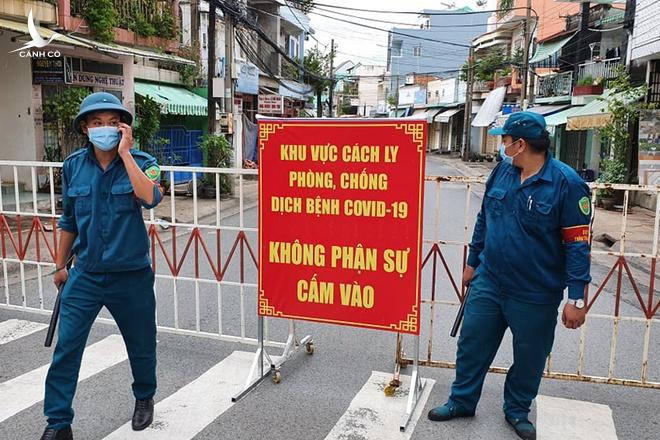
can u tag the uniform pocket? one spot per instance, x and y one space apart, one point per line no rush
123 198
81 197
538 215
494 201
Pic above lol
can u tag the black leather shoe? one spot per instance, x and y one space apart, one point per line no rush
523 428
57 434
143 414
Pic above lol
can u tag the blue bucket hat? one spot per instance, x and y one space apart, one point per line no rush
526 125
101 101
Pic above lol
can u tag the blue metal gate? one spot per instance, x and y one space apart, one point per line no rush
178 146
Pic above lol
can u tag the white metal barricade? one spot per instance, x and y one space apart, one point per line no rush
203 243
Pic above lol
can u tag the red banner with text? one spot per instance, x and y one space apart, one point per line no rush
340 221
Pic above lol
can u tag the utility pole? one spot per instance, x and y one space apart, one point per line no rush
210 71
229 82
194 23
467 124
331 95
583 44
528 43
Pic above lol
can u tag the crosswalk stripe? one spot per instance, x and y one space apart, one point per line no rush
24 391
372 415
566 419
13 329
185 413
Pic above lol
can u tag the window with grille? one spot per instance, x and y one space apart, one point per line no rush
417 51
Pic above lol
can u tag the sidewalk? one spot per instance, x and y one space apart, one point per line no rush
468 169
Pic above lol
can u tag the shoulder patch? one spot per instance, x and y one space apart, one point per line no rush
153 173
585 205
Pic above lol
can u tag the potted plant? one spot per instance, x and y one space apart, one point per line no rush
217 153
588 86
614 171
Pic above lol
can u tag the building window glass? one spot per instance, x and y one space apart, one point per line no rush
417 51
397 48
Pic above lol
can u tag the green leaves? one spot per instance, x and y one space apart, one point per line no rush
102 18
148 121
318 64
624 106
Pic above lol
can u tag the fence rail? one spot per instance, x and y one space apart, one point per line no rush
206 267
443 292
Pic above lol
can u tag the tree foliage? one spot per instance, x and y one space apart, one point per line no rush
317 69
624 106
63 108
148 122
486 66
102 19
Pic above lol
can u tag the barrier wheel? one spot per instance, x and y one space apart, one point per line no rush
309 347
277 377
389 390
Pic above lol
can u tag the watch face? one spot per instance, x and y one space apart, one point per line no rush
579 303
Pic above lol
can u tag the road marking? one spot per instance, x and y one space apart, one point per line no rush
573 420
13 329
372 415
188 411
24 391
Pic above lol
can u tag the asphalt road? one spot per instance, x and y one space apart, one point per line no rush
317 391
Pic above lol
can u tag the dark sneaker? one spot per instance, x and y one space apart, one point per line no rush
57 434
523 428
143 414
448 412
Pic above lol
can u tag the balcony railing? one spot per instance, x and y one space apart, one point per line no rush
606 69
556 85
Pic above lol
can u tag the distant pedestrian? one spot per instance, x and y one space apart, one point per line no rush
530 242
104 186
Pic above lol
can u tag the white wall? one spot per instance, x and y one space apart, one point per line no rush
17 129
646 33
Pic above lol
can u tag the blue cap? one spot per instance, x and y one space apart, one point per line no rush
101 101
526 125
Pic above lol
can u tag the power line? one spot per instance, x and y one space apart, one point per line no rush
399 23
449 43
432 13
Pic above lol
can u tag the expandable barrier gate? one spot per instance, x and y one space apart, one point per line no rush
204 265
624 301
205 260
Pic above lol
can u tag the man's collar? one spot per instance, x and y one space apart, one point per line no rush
546 172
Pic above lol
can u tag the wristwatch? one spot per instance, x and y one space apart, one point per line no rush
577 303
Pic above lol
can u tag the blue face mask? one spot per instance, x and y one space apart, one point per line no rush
506 158
104 138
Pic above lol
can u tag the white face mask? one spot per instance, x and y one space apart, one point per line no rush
508 159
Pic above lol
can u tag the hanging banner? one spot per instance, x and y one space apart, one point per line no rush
340 221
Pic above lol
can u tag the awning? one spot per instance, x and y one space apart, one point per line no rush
427 114
173 100
294 89
561 117
402 112
595 115
592 115
131 51
45 33
547 50
446 115
491 106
